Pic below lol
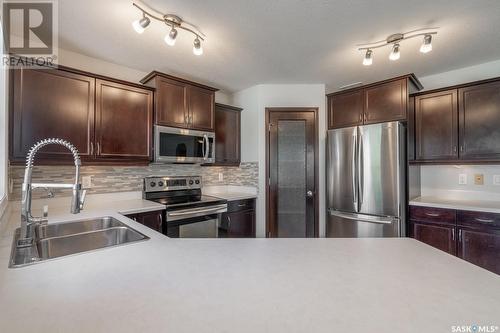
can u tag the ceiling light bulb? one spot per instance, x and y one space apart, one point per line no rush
197 49
171 37
427 44
395 54
141 25
368 60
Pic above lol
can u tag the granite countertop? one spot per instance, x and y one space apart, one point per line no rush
242 285
458 204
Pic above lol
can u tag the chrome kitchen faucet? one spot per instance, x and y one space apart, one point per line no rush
28 222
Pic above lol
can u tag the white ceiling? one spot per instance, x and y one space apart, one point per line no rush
284 41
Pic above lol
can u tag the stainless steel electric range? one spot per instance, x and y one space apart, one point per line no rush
189 213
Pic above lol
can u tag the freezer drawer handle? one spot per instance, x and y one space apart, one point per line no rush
357 218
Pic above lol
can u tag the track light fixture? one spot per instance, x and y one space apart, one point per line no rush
174 22
368 60
427 44
141 24
394 40
395 54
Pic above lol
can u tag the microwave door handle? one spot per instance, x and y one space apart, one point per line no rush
206 149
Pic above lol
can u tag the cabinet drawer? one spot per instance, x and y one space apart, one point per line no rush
234 206
429 214
478 219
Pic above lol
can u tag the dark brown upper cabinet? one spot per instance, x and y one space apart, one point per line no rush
124 120
479 119
227 135
374 103
459 125
436 126
50 103
109 121
345 110
182 103
386 102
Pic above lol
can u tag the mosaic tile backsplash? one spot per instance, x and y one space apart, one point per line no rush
106 179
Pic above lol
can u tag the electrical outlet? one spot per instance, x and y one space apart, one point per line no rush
462 179
478 179
87 181
496 179
221 176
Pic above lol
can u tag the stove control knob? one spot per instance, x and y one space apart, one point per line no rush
197 182
160 183
191 182
152 184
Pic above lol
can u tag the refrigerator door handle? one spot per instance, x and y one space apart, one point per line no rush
361 181
363 218
354 170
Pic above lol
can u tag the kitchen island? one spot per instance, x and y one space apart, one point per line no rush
242 285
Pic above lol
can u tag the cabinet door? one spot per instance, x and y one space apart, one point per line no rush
201 108
481 248
153 220
345 109
241 224
480 121
51 103
227 136
123 121
436 127
386 102
438 236
171 103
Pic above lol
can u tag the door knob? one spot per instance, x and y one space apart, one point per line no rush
309 194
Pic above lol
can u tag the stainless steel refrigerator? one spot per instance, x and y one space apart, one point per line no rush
366 181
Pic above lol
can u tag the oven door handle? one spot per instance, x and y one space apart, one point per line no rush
215 209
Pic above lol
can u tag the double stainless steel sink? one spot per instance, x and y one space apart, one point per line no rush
62 239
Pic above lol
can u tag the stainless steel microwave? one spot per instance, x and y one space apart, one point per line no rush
177 145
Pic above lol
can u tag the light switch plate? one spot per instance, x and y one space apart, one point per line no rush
87 181
496 179
462 179
478 179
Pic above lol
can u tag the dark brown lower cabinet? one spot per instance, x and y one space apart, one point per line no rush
239 221
153 220
439 236
480 247
472 236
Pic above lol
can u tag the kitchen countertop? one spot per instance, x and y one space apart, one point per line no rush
231 193
459 204
243 285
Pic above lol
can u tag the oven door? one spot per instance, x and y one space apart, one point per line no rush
177 145
200 222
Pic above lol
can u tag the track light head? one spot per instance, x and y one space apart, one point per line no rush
368 60
197 48
171 37
141 24
395 54
427 44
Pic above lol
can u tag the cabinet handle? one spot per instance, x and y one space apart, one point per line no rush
186 119
161 220
455 149
228 222
432 214
460 235
484 220
242 205
360 117
453 234
98 148
91 148
461 148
